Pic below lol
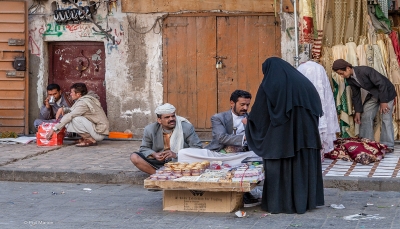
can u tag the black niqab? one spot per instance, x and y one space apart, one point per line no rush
284 117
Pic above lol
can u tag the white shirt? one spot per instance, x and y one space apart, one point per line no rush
238 124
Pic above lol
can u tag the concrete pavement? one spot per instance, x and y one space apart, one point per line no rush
69 205
109 163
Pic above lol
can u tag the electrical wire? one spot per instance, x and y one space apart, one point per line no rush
158 22
35 6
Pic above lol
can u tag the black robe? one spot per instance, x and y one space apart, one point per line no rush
282 128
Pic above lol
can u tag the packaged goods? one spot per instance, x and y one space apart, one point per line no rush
56 138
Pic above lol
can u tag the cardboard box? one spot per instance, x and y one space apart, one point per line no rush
56 139
201 201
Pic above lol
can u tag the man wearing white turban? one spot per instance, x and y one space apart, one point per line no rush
163 139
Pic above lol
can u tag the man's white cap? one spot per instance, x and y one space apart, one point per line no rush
166 108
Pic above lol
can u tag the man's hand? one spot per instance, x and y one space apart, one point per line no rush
49 134
168 154
60 112
46 102
244 121
384 108
158 156
357 118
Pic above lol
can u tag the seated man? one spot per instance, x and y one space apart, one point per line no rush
49 109
229 141
86 117
163 139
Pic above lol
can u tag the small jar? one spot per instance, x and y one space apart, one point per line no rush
171 177
167 170
194 170
162 177
186 172
201 170
153 177
177 170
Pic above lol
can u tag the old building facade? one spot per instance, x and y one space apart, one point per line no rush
146 53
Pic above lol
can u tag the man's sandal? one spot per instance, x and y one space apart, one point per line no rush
86 143
79 140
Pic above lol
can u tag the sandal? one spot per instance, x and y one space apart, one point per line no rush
79 140
86 143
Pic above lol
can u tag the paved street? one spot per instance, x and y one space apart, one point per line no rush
109 163
68 205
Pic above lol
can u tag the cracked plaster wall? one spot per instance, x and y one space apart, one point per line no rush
133 65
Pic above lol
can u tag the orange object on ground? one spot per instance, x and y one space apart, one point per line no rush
56 139
120 135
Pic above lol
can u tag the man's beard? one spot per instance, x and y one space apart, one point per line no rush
238 112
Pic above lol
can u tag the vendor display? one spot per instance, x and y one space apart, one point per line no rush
209 172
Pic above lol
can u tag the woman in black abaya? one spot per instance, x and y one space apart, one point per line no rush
282 128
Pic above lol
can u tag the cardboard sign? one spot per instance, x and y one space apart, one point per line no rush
56 138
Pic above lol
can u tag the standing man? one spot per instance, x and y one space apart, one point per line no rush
49 109
381 93
229 141
163 139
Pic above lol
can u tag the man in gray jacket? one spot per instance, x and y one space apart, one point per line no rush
49 109
229 141
381 93
163 139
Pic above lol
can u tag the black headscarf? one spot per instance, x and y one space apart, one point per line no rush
285 88
284 117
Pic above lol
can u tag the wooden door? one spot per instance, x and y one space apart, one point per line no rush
14 83
245 42
78 62
190 44
190 82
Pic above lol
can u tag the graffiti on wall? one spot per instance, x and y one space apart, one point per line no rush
52 29
33 45
82 30
119 36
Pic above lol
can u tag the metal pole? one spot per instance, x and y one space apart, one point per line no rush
296 37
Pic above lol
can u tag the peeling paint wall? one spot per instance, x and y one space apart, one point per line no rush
288 40
133 64
142 89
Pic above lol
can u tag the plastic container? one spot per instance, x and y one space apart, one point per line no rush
120 135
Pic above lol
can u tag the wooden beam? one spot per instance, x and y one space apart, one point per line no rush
172 6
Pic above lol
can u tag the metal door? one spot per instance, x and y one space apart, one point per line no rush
190 47
78 62
13 82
